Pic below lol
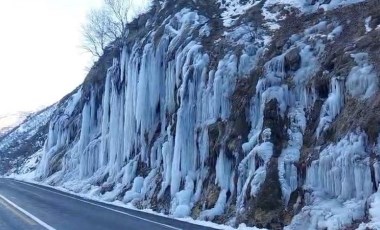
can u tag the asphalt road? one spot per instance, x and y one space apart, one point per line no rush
33 207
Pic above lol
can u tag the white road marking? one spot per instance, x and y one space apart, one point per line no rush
98 205
40 222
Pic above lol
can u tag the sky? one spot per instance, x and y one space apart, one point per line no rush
40 55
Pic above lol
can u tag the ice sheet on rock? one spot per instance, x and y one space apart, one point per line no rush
337 186
290 155
149 184
135 192
335 33
218 209
342 169
112 195
87 145
325 213
182 203
292 99
332 106
73 101
252 170
374 213
362 81
223 171
129 173
367 21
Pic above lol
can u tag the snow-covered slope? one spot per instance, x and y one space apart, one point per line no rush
24 139
9 121
263 113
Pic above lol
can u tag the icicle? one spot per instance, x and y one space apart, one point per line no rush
339 172
332 106
362 81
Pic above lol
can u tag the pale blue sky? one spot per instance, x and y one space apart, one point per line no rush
40 55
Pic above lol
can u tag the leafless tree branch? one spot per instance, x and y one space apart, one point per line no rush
106 25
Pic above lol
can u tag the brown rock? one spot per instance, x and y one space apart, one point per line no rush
292 60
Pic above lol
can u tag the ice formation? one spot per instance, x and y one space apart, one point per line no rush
338 185
374 213
366 24
362 81
332 106
343 170
156 128
133 124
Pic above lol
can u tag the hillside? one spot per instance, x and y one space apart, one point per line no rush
257 112
9 121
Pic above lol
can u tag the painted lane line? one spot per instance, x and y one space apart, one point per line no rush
23 211
17 213
101 206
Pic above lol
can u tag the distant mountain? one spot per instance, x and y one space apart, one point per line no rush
10 121
22 134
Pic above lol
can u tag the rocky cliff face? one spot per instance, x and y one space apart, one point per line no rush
264 113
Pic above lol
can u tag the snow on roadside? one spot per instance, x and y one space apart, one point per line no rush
217 226
29 165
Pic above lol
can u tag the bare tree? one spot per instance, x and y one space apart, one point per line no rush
97 32
119 10
106 25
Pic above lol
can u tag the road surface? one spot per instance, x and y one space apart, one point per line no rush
33 207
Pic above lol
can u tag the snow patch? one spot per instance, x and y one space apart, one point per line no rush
232 9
